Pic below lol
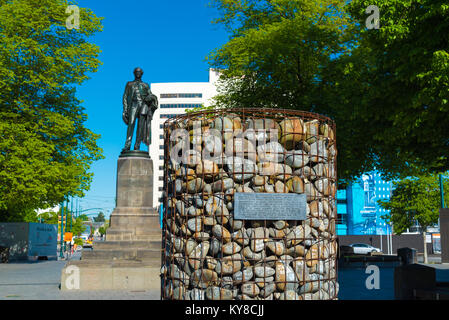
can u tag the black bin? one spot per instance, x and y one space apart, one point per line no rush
408 255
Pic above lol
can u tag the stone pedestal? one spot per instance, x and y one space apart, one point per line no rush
130 257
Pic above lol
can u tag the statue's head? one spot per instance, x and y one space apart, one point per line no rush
138 73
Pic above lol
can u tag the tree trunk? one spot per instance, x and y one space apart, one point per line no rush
425 247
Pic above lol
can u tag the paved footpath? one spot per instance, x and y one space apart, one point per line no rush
40 280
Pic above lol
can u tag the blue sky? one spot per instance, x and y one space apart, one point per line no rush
169 40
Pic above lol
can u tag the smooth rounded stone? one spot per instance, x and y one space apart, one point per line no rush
207 189
195 185
293 131
326 131
320 171
179 186
268 289
301 270
216 293
180 207
279 170
285 259
312 256
240 169
198 254
263 271
314 233
245 275
295 184
318 151
241 237
229 265
326 207
259 180
269 188
285 277
235 224
223 185
178 277
324 252
212 204
316 209
192 158
221 233
197 294
298 234
296 251
276 234
280 224
207 169
258 236
178 243
304 173
250 289
277 247
277 295
195 224
314 222
203 278
184 172
215 247
322 267
289 295
244 189
185 230
245 297
264 124
296 158
179 293
211 263
312 130
323 186
227 283
231 248
222 219
182 262
209 221
279 187
249 254
309 287
241 147
267 261
271 152
201 236
310 190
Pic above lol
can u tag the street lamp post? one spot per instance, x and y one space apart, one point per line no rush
61 255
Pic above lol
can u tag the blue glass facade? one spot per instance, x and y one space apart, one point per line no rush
357 208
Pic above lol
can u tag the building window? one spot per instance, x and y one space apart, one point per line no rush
161 136
161 188
168 116
161 147
161 167
180 95
342 219
161 178
161 157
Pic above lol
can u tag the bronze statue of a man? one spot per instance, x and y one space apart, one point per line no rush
139 104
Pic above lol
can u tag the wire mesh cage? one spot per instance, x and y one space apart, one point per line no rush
210 157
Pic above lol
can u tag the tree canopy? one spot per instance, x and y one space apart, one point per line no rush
387 89
45 149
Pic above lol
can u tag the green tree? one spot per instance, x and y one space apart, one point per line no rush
387 89
45 149
414 201
83 217
100 217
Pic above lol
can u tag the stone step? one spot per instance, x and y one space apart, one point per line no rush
127 235
137 244
129 254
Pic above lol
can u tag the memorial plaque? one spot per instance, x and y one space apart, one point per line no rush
270 206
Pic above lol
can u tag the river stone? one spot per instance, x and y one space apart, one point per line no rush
207 169
223 185
261 282
179 186
195 224
197 294
309 287
316 208
180 206
221 233
245 275
279 187
298 234
301 270
259 180
240 169
235 224
279 170
201 236
296 158
269 188
318 151
293 131
295 184
258 237
179 277
264 272
198 254
241 237
178 243
209 221
271 152
215 246
296 251
280 224
310 191
195 185
268 289
312 256
289 295
179 293
211 263
276 234
212 204
204 278
216 293
231 248
192 158
249 254
304 173
250 288
277 247
285 277
323 186
312 130
229 265
240 147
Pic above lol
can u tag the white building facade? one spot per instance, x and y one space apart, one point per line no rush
174 99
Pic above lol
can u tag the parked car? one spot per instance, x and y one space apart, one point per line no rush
363 248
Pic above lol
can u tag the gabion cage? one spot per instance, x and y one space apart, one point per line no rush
212 155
